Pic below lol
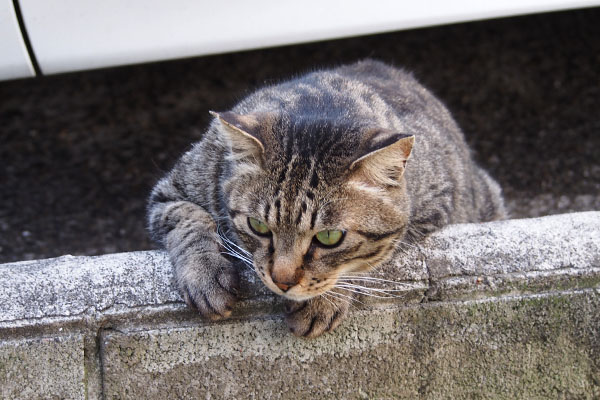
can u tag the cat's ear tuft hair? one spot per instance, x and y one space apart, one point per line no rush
243 132
382 157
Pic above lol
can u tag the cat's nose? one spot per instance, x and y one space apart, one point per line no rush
285 272
283 286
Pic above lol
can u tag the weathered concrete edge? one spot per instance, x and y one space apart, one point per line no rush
467 261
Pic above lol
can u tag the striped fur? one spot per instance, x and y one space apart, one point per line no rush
363 148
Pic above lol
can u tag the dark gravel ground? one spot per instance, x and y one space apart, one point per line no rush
80 152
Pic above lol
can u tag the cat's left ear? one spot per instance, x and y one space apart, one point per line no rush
245 133
382 157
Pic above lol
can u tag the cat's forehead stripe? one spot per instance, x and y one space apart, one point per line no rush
281 177
299 218
313 219
278 211
314 179
285 175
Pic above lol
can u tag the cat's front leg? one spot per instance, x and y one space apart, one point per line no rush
207 281
318 315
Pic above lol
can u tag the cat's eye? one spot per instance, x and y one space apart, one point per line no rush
330 238
258 227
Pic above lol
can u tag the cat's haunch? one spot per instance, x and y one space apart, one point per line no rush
312 182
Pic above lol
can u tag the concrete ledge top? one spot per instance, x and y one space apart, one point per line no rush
460 262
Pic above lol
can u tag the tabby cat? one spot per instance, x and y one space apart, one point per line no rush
314 178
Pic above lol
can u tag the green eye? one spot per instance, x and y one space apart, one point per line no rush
330 238
258 227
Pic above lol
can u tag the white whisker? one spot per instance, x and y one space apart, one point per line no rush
366 293
366 289
382 290
373 267
244 251
403 243
230 242
244 262
335 297
324 296
345 279
345 296
239 257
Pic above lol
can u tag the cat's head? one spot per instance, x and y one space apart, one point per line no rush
313 200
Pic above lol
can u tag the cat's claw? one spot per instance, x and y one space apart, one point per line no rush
212 295
314 317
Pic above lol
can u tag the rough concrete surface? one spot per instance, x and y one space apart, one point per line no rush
73 286
42 368
499 310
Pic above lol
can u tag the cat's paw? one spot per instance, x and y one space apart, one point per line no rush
316 316
210 286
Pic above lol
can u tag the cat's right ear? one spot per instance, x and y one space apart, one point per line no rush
244 133
382 157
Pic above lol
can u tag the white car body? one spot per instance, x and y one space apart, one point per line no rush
72 35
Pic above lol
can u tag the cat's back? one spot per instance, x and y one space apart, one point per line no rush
367 92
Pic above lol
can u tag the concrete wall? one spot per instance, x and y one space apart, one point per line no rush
501 310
